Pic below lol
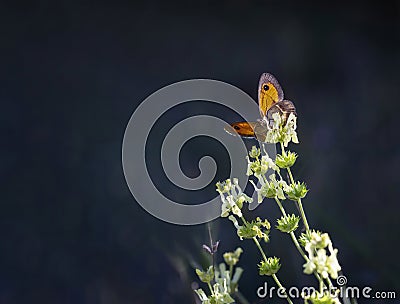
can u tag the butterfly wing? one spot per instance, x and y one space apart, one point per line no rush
284 108
269 93
243 129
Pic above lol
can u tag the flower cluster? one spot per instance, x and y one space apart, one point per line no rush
270 188
232 197
225 281
285 160
282 130
296 191
231 258
253 229
269 266
259 166
273 186
315 243
319 255
219 294
232 275
288 223
206 276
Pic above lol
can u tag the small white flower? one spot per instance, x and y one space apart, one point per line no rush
258 190
232 197
333 263
278 132
202 295
324 264
309 267
320 261
235 222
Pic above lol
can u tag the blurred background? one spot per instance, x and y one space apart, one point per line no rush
73 73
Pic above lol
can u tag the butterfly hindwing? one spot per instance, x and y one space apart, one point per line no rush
284 108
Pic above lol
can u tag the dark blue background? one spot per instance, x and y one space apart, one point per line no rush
72 74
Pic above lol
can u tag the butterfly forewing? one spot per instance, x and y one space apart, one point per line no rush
269 92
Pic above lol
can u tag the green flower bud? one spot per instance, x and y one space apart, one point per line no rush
269 267
257 228
261 234
264 223
254 152
224 187
246 232
258 167
307 236
288 223
206 276
268 191
296 191
285 160
272 188
231 258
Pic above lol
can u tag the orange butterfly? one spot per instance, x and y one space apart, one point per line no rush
270 101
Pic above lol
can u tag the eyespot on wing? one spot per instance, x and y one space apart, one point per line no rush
243 129
269 92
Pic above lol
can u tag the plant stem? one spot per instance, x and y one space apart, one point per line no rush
243 220
260 248
304 219
329 282
274 275
211 290
296 242
282 288
303 214
280 206
321 286
211 247
299 204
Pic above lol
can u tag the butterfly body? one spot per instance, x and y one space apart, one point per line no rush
270 101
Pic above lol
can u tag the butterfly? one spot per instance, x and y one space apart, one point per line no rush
270 101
